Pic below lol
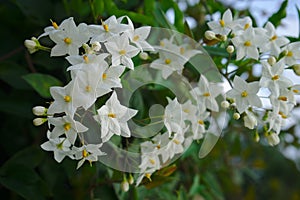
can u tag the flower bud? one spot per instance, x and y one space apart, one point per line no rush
250 120
236 116
130 179
296 69
230 49
39 121
125 185
32 45
272 138
209 35
225 104
256 137
144 55
271 60
223 37
39 111
96 46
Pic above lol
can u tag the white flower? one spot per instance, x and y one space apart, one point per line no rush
109 28
175 146
138 38
250 120
32 45
292 53
121 51
198 126
275 121
244 94
272 138
68 39
223 26
173 116
39 121
89 152
59 146
272 77
205 94
150 160
66 125
146 174
39 110
247 43
274 42
113 118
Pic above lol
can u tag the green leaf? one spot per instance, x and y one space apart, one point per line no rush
279 15
42 83
179 18
162 19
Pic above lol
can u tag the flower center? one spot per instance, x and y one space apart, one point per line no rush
158 146
67 98
273 38
111 115
136 38
152 161
222 22
282 115
86 58
59 146
201 122
282 98
54 24
122 52
105 27
67 126
88 88
289 54
206 94
186 110
68 40
104 76
176 141
275 78
244 94
295 91
247 44
85 153
246 26
182 50
167 61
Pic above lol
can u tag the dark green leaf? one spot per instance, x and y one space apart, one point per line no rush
279 15
42 83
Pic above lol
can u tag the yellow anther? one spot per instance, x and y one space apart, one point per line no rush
68 40
104 76
186 110
136 38
289 54
222 22
282 98
86 58
282 115
54 24
275 77
296 91
201 122
167 61
247 44
182 50
274 37
85 153
67 98
246 26
122 52
111 115
88 88
176 141
105 27
158 146
161 43
148 176
206 94
244 94
67 126
152 161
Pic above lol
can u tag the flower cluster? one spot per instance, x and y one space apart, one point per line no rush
276 55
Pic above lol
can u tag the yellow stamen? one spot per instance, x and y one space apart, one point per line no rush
67 126
67 98
161 43
158 146
152 161
54 24
148 176
104 76
273 38
112 115
222 22
206 94
86 58
105 26
289 54
246 26
68 40
88 88
182 50
282 98
136 38
247 44
275 77
282 115
85 153
296 91
201 122
186 110
244 94
176 141
167 61
122 52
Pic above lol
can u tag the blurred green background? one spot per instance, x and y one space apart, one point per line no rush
237 168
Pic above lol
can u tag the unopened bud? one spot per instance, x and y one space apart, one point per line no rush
39 121
272 138
144 55
210 35
125 185
225 104
271 60
96 46
230 49
39 111
32 45
296 69
223 37
256 137
130 179
236 116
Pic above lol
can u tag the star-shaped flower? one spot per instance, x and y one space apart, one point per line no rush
223 26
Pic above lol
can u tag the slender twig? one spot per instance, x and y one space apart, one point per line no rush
11 53
29 62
